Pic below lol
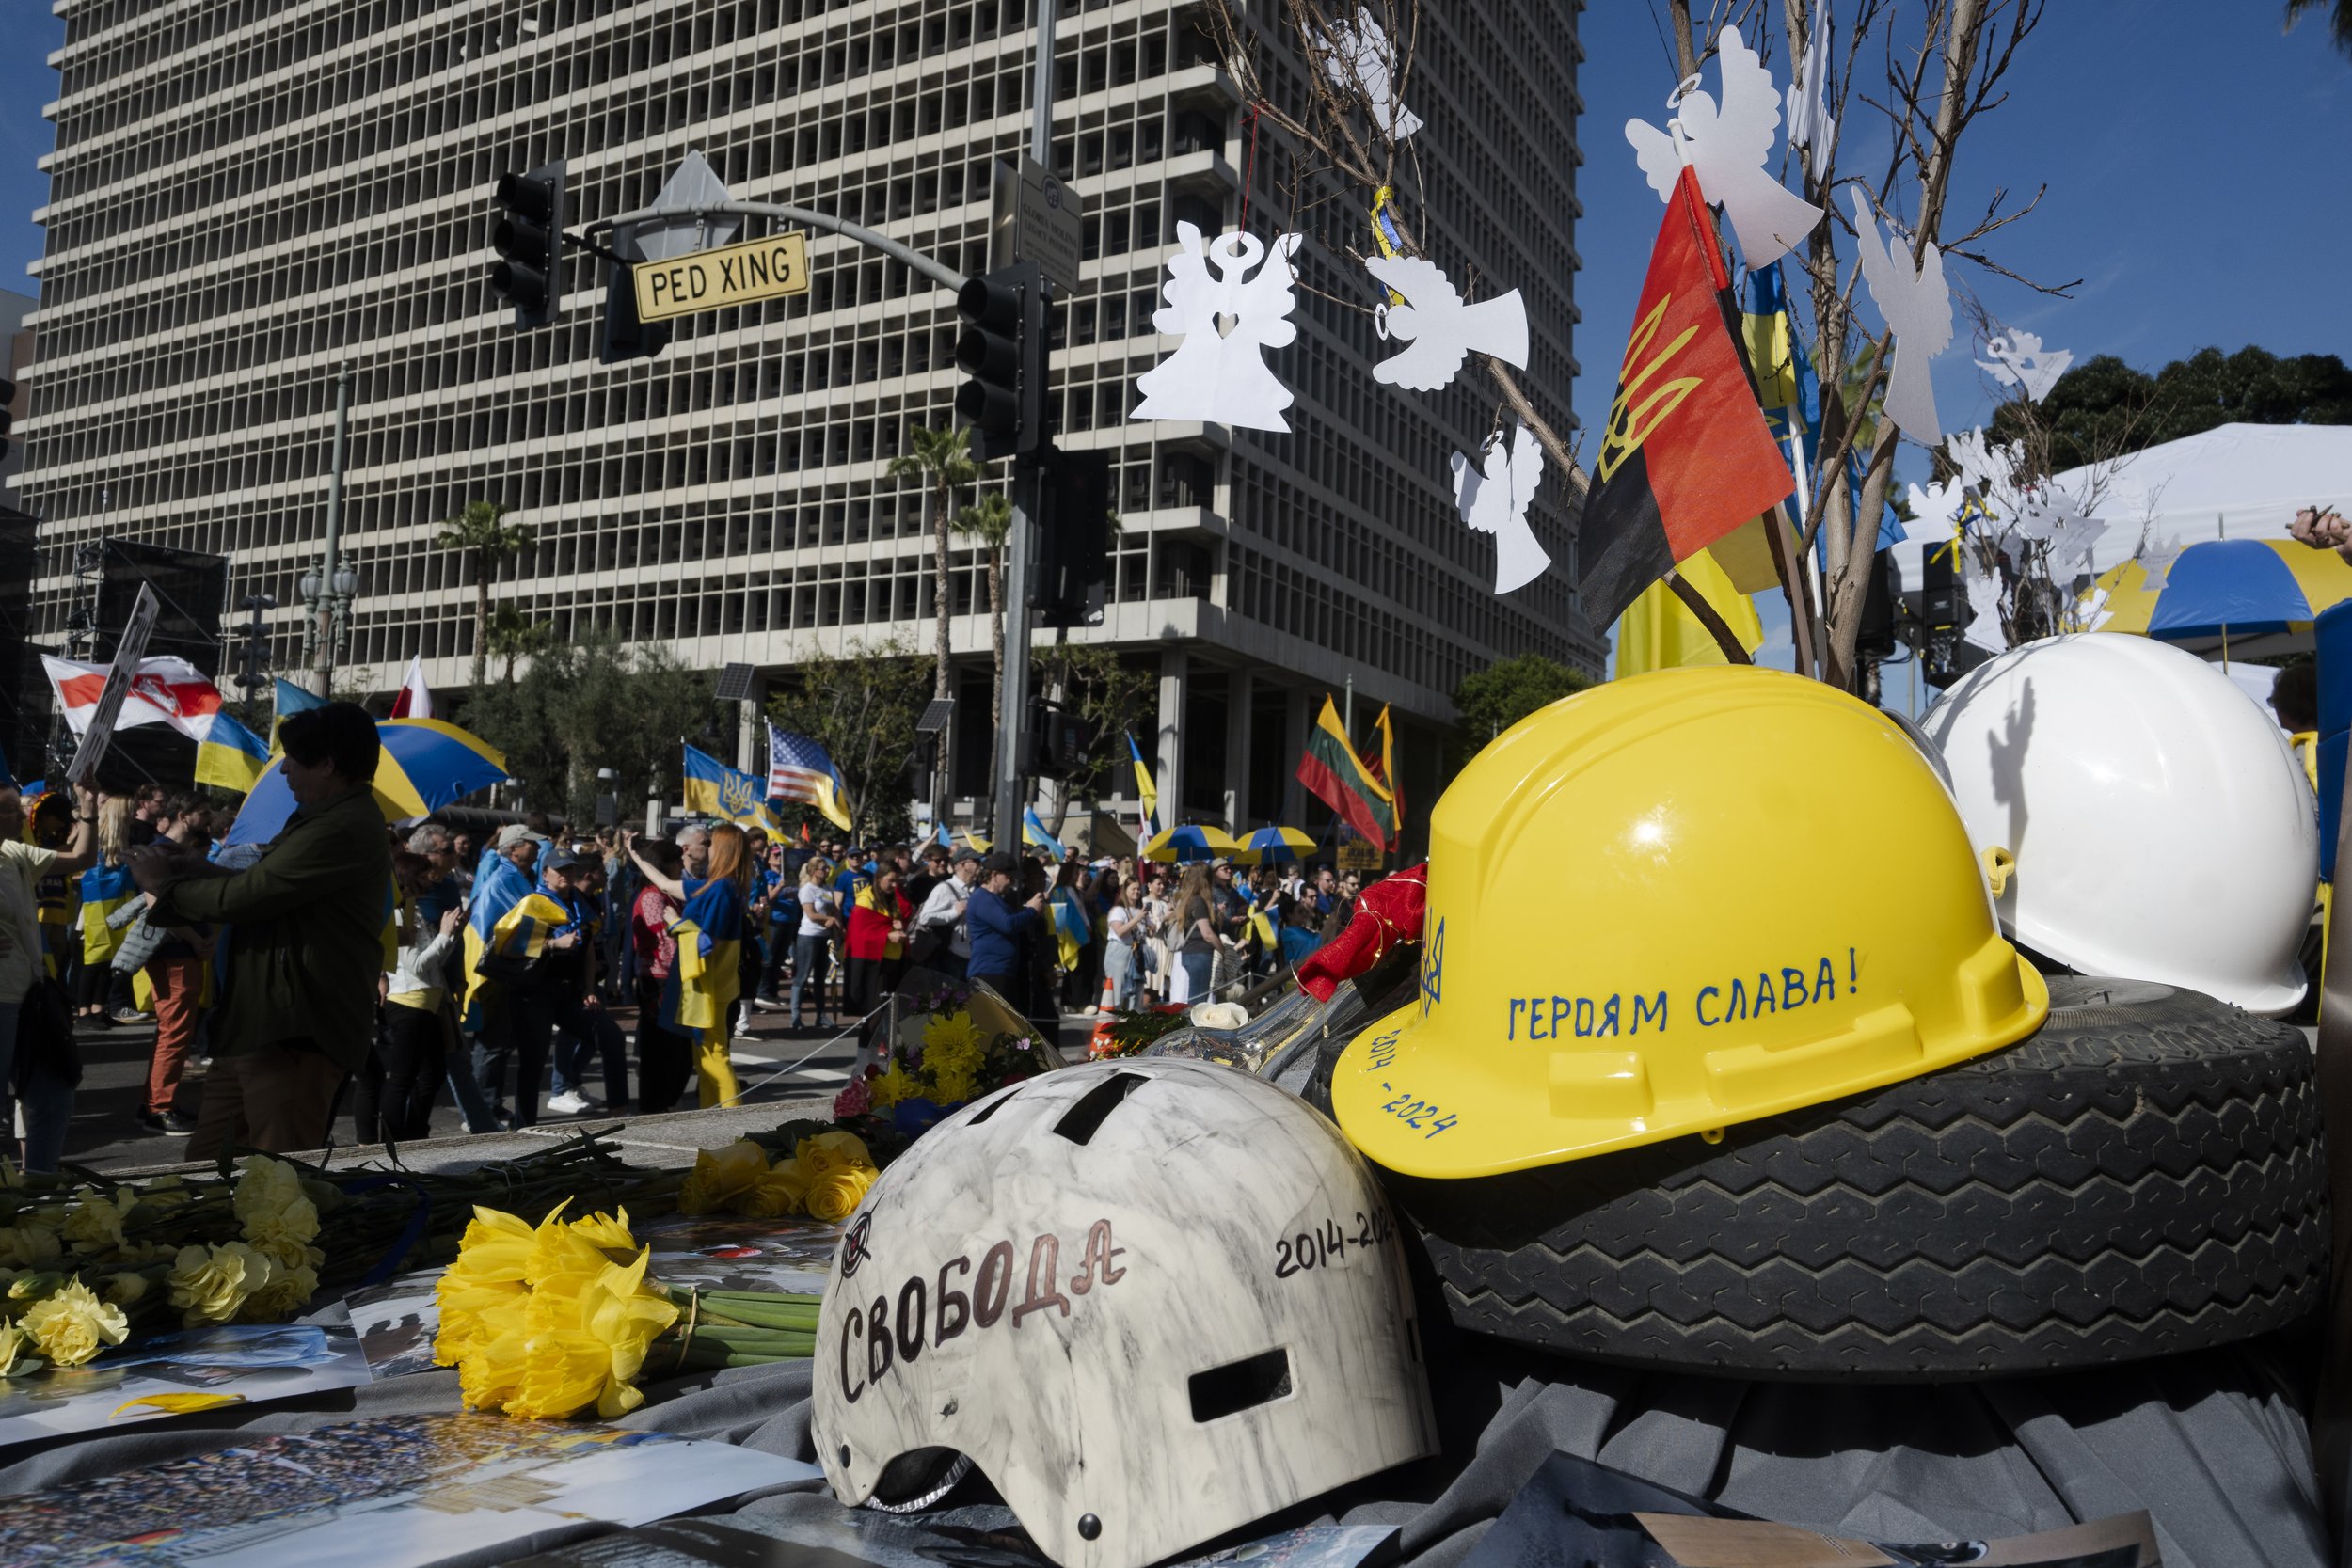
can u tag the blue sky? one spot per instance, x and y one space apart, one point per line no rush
2195 155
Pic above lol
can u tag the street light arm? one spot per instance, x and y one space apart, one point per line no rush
946 277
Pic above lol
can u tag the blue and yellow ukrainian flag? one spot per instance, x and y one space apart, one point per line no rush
523 934
1146 791
1071 929
705 983
714 789
1033 832
227 755
104 890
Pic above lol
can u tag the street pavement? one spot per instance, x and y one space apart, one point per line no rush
799 1070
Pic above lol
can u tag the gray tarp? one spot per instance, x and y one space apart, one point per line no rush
2210 1445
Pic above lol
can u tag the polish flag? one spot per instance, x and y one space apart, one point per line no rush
416 698
164 691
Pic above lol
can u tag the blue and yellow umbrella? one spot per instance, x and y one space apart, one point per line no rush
1275 843
2230 592
1187 842
426 765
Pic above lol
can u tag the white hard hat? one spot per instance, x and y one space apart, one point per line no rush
1151 1301
2161 826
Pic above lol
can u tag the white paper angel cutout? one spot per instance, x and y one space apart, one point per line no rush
2070 542
1229 319
1935 511
1439 330
1979 462
1918 310
1493 497
2020 360
1984 610
1809 122
1730 146
1362 57
2091 611
2156 566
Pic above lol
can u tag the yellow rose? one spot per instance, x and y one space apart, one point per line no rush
782 1192
28 1246
287 1293
719 1177
828 1152
12 1343
834 1198
73 1325
492 1371
210 1285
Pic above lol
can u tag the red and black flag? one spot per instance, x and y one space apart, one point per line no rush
1340 779
1687 457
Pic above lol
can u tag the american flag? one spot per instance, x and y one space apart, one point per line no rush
799 770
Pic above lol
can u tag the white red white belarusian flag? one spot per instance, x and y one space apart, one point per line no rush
166 691
416 698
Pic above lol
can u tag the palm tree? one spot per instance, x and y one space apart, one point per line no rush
2338 17
990 524
513 636
941 459
481 534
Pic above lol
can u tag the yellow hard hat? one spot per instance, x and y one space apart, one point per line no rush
1672 903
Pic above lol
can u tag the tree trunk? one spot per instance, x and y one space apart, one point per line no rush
997 634
938 556
481 623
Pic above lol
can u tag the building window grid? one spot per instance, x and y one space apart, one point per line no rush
593 542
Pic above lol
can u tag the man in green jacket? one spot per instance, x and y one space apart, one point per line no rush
305 941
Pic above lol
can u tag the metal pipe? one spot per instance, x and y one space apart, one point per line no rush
326 607
945 275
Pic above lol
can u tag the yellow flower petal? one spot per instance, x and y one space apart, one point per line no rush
179 1404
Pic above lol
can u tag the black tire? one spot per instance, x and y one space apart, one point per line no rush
2144 1176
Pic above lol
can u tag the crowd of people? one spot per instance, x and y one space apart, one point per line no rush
349 965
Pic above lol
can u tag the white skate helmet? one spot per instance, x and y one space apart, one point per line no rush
2161 826
1151 1301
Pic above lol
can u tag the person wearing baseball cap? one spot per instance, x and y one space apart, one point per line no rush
993 925
942 940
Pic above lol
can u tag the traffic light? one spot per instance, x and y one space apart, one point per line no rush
1002 348
529 239
624 336
1074 537
1060 742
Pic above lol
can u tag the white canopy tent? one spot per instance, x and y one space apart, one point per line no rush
2233 481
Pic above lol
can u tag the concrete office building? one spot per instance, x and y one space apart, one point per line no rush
248 196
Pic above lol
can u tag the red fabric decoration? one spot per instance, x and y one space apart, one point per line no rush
1389 912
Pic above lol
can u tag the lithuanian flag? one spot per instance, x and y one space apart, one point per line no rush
1340 779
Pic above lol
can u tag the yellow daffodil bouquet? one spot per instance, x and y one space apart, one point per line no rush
554 1320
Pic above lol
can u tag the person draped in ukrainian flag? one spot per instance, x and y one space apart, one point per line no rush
705 982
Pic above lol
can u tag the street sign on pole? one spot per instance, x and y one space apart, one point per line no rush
1048 224
119 675
713 279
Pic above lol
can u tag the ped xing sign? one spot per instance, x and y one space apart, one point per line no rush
713 279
